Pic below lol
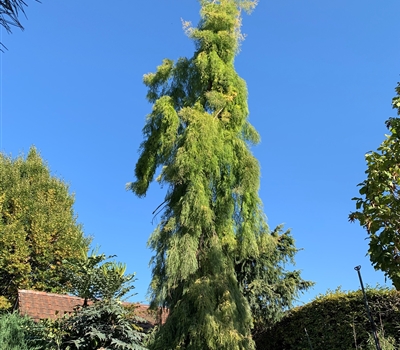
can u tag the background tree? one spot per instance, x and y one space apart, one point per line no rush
212 221
94 278
38 227
269 288
378 210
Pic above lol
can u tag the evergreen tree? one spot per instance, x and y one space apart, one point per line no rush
15 332
213 225
38 227
268 287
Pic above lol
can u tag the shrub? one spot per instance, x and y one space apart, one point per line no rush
336 320
103 324
16 332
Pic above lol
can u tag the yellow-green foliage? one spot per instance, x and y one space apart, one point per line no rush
4 304
199 135
217 267
38 227
335 321
213 231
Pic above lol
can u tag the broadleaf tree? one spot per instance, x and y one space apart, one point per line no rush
378 208
38 227
212 222
95 277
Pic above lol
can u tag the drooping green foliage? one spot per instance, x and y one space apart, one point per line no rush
337 320
379 209
212 226
38 227
9 13
94 278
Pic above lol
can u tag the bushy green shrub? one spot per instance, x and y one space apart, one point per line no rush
335 321
16 332
105 324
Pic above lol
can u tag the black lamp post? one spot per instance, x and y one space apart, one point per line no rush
378 346
308 338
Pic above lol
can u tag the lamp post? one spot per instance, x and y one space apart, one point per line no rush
378 346
308 338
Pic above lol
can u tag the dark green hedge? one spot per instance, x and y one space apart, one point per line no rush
332 320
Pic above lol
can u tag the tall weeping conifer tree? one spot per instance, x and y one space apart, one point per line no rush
213 228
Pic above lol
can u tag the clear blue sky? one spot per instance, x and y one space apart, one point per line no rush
320 75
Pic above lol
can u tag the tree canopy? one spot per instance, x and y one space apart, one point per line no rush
213 230
38 227
378 210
